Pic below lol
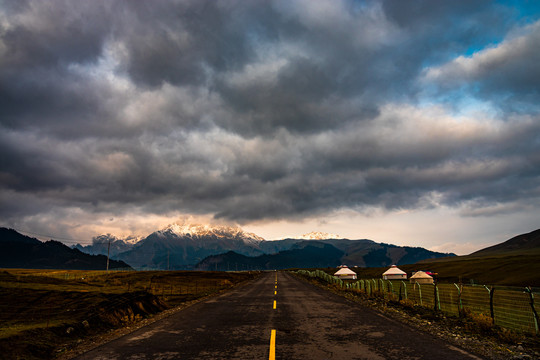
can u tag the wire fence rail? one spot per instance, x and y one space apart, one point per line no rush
508 307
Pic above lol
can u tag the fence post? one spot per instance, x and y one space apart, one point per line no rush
419 292
460 304
490 292
531 298
436 300
402 284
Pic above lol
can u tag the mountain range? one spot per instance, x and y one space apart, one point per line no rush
203 247
323 253
186 246
20 251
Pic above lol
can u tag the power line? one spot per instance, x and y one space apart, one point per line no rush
70 240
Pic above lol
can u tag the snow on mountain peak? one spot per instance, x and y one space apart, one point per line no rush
318 235
106 238
220 231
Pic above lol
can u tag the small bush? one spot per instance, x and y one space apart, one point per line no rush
508 336
478 322
407 303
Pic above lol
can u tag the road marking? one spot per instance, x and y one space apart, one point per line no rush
272 345
276 286
275 292
274 304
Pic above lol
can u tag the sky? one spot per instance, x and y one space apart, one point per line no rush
407 122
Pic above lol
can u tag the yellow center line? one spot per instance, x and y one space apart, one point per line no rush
274 304
275 292
272 345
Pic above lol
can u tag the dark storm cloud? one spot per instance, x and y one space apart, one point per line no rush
259 110
183 39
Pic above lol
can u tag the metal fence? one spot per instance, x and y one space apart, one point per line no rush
509 307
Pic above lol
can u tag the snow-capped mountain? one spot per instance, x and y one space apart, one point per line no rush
100 245
185 244
317 235
205 230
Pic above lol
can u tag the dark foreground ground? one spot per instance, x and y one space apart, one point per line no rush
309 323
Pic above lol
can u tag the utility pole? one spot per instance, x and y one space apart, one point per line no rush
108 251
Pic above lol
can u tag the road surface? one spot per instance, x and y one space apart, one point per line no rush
285 319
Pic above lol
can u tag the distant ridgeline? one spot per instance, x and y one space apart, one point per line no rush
322 253
205 247
229 248
20 251
522 244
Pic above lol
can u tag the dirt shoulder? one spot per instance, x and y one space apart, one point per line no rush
49 316
84 345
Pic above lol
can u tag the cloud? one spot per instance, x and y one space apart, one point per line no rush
260 112
505 74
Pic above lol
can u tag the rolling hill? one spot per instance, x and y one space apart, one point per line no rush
322 253
313 254
522 244
513 262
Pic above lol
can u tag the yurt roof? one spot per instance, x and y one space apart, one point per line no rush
345 271
421 275
394 270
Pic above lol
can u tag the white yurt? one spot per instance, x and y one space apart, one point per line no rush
345 273
421 277
394 273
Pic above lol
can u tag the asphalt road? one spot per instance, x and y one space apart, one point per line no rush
308 323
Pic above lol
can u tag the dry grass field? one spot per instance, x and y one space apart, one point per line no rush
520 268
45 312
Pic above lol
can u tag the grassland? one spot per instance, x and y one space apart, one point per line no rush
504 269
44 313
